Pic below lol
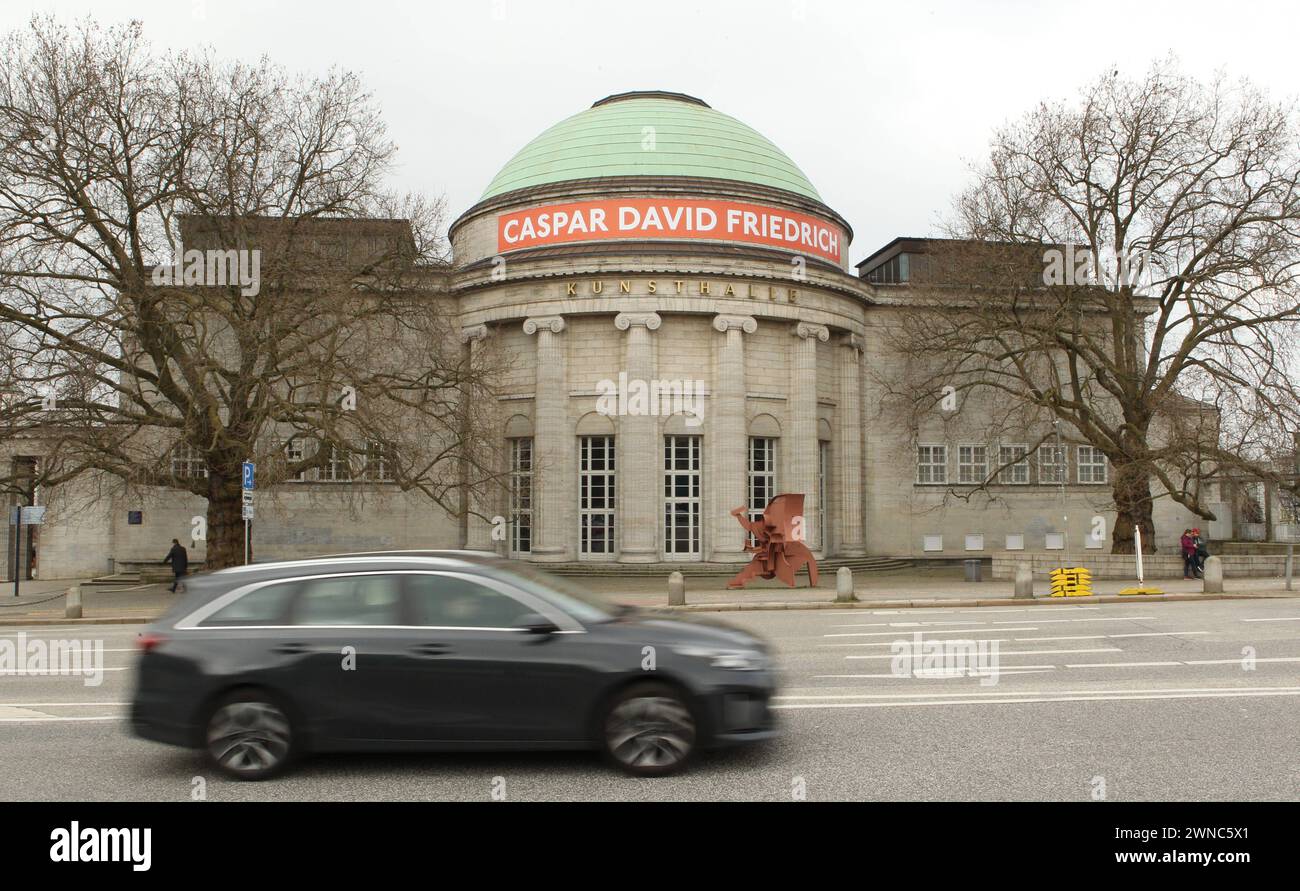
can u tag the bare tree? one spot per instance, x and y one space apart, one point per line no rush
1127 265
200 266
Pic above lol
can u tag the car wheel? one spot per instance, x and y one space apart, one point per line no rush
249 736
649 730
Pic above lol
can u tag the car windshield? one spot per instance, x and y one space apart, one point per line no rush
581 604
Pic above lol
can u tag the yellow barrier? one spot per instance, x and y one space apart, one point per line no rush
1075 582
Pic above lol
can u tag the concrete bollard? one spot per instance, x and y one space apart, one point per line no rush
1212 583
1024 582
72 606
844 586
676 589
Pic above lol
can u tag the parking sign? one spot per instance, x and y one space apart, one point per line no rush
249 469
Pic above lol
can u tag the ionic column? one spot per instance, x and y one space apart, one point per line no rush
554 524
801 441
639 450
848 461
728 443
479 513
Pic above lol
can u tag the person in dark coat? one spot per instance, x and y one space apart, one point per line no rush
1189 554
180 562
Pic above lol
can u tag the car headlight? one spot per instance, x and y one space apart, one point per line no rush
732 660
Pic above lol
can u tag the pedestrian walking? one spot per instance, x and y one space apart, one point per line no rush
1189 554
180 562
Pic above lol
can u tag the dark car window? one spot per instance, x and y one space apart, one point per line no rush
369 599
448 600
262 606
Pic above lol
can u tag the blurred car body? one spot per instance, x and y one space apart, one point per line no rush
438 650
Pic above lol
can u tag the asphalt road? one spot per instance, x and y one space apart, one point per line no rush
1137 700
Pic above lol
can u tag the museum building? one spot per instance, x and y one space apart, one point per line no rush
686 336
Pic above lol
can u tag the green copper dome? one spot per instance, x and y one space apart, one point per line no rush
688 139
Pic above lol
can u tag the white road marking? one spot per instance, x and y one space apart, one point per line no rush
1019 669
1282 619
905 624
1118 664
888 643
992 693
1020 653
1282 691
1240 659
1023 609
1107 636
904 633
46 674
58 704
1060 621
54 720
1064 637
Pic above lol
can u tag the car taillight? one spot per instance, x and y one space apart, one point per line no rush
147 642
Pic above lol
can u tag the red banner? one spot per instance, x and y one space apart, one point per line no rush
669 219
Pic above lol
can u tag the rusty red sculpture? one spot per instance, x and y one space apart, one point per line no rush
777 551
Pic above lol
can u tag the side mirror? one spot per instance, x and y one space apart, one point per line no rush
536 623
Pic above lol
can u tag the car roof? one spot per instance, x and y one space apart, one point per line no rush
362 560
206 586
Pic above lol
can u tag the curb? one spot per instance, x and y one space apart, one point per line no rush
101 620
741 606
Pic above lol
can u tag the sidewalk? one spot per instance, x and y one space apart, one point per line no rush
41 603
913 588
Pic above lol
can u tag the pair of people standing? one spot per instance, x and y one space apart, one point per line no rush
1194 554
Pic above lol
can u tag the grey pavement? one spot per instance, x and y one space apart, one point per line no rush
1152 701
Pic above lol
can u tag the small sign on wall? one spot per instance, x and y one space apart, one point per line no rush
135 518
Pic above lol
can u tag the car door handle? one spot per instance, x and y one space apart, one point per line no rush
291 649
431 649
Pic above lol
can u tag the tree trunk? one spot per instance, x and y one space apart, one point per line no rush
1132 491
225 522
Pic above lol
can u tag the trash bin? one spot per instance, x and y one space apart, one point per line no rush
972 570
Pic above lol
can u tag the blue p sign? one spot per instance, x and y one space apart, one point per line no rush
249 468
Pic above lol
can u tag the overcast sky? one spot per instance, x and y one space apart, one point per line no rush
883 105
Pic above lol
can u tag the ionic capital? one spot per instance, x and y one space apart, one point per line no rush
806 330
626 320
746 324
473 332
554 324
